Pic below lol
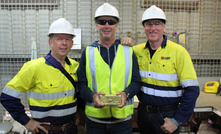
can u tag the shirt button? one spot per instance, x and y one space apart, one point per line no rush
150 62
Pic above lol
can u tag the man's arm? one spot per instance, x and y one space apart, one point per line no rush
187 104
15 89
184 111
188 81
85 92
14 107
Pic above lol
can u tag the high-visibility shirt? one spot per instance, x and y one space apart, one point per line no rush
166 76
50 94
102 78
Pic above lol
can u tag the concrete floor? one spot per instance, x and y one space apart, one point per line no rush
209 99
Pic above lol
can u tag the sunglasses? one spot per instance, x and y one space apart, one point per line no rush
103 22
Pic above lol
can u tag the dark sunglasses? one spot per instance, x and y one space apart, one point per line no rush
103 22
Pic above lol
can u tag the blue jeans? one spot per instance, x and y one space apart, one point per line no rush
72 130
118 128
150 123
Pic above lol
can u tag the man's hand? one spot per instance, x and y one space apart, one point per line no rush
96 100
169 126
123 99
126 41
34 126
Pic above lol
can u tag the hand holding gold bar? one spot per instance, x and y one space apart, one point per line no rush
111 100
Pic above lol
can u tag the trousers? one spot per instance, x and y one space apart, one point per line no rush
150 122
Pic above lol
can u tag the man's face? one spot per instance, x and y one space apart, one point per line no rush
60 45
154 30
105 29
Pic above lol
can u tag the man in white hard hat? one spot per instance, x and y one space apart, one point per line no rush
50 94
169 82
108 68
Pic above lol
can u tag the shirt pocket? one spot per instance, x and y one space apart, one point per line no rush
50 86
165 67
142 63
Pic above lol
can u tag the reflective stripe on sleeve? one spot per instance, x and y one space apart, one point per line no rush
192 82
13 92
161 93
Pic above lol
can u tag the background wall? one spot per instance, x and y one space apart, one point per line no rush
196 24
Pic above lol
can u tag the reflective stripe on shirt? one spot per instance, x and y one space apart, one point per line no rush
158 76
161 93
50 96
53 113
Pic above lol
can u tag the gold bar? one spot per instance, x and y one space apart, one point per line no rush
110 100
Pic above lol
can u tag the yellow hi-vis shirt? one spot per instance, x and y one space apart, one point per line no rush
170 68
45 86
102 78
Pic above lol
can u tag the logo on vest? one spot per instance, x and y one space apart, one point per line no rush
165 58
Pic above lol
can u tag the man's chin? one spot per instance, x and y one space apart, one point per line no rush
63 53
106 35
106 38
153 38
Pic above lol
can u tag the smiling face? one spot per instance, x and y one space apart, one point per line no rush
60 45
154 30
106 32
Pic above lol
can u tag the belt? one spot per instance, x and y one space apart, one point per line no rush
168 108
63 127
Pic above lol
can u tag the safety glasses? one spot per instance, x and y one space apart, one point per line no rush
150 24
103 22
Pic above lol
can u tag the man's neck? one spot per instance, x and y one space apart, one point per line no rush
60 59
106 43
156 45
62 62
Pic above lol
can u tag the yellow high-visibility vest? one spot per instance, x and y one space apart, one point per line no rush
109 80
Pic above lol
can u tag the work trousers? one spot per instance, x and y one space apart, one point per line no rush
150 123
72 130
99 128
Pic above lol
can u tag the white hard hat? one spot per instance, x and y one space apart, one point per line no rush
61 26
106 10
153 12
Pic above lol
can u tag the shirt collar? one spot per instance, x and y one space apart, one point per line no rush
163 45
66 59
